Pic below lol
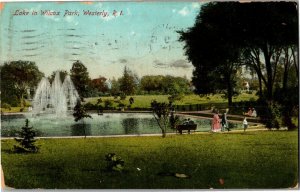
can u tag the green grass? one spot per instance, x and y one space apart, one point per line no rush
13 109
144 101
265 159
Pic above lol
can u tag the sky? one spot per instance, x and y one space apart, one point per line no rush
141 36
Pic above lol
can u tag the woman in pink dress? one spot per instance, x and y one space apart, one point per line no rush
215 124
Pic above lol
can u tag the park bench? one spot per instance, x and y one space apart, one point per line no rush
187 127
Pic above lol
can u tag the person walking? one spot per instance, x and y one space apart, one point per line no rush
224 122
245 124
215 125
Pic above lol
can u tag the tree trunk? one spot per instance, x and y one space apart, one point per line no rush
285 76
269 83
163 133
260 86
229 92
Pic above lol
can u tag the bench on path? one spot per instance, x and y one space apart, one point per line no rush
187 127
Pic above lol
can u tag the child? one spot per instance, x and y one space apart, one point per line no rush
245 123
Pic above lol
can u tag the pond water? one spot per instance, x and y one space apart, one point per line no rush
99 125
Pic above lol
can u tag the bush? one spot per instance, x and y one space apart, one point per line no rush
26 140
114 162
271 115
90 106
6 106
175 97
122 96
108 103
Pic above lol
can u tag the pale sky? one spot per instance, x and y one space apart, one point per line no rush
143 38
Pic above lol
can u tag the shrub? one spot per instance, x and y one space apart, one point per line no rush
175 97
6 106
114 162
271 115
108 103
174 121
26 140
90 106
99 101
122 96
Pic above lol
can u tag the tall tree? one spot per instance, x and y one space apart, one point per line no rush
128 82
161 112
224 30
17 77
212 49
268 27
100 84
81 79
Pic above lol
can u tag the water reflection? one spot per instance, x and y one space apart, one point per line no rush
130 125
81 129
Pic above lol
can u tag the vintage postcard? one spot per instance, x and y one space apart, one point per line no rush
149 95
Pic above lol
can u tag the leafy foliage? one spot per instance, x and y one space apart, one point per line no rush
270 114
80 112
114 162
161 113
17 77
100 84
128 82
224 31
174 120
80 78
26 140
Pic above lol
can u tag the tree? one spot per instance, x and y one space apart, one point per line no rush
268 27
161 112
115 87
80 78
152 83
17 78
62 75
165 84
79 115
211 48
100 84
26 140
223 31
128 82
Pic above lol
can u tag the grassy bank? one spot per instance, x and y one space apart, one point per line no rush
144 101
265 159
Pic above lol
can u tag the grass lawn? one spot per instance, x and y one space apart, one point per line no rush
262 159
144 101
13 109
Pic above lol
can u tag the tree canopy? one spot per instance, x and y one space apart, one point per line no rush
224 31
17 78
81 79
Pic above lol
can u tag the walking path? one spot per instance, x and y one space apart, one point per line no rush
250 129
208 114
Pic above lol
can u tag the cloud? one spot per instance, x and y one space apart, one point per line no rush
184 11
180 63
54 18
159 64
123 60
128 11
70 19
195 5
98 5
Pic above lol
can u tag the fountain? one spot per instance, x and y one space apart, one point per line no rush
56 98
